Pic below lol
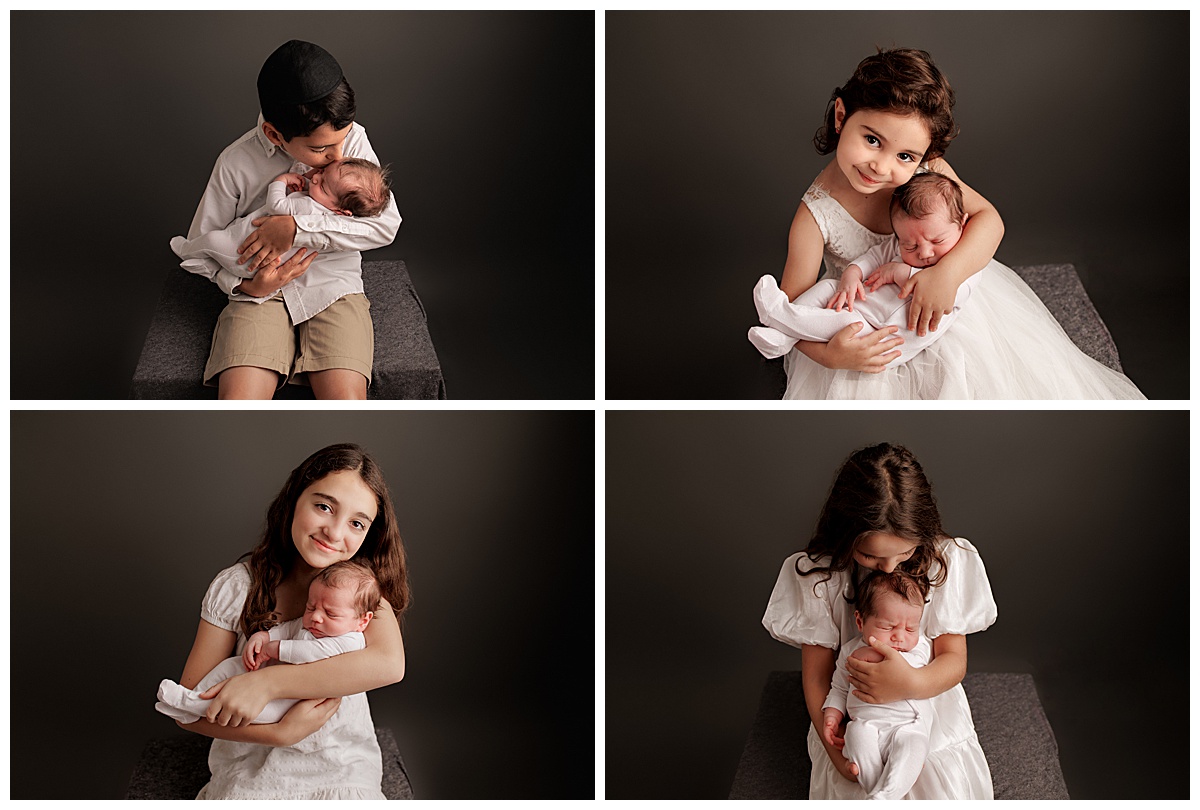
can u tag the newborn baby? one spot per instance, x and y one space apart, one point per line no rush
341 602
888 741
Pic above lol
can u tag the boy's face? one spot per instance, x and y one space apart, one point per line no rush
331 612
894 621
319 148
923 242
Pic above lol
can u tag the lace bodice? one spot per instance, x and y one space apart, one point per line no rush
845 238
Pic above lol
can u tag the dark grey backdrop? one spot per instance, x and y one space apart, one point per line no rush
488 121
129 516
1068 123
1081 518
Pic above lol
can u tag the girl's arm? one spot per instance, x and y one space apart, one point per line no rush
212 646
934 290
894 679
806 247
817 665
242 698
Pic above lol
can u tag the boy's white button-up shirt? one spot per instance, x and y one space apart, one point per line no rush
238 187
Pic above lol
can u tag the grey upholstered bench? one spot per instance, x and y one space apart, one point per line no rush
177 767
1013 731
177 344
1062 292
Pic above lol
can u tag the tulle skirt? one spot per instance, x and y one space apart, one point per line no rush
1004 345
956 768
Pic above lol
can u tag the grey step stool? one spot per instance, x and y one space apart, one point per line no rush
177 344
1013 731
177 767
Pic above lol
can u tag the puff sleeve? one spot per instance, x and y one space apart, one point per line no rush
964 603
226 596
800 610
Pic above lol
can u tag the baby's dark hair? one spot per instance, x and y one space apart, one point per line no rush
370 198
925 194
904 81
297 120
351 573
912 589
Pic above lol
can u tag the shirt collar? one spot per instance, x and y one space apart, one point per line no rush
267 146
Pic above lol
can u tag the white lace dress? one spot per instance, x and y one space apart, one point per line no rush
1004 345
340 760
796 614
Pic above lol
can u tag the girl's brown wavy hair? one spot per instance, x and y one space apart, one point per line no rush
878 489
273 558
904 81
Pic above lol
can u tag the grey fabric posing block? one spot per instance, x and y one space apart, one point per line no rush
177 767
1013 731
176 347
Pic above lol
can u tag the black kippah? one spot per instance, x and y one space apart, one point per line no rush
297 73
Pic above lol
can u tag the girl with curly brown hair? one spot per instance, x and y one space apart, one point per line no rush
892 119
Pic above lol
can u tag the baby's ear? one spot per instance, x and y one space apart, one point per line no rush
344 213
364 620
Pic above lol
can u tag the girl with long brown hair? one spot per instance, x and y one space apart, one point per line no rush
881 515
335 506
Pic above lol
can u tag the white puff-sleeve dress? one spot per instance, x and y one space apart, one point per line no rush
805 610
340 760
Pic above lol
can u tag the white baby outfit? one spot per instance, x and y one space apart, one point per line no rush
237 190
888 741
1005 345
808 610
807 318
296 646
208 253
340 760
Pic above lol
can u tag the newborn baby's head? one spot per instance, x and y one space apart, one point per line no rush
928 218
341 599
890 608
351 186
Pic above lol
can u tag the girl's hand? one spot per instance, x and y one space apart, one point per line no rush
305 718
237 701
890 680
933 295
869 354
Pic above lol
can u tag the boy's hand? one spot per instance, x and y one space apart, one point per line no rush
887 274
849 286
269 280
293 181
273 236
933 293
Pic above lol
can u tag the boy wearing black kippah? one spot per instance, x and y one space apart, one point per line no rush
306 320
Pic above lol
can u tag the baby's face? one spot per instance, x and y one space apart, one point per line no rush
894 621
327 185
923 242
331 611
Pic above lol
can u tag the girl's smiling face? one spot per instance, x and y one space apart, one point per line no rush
883 552
879 151
332 517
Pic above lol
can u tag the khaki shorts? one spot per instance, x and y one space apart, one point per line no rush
262 335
